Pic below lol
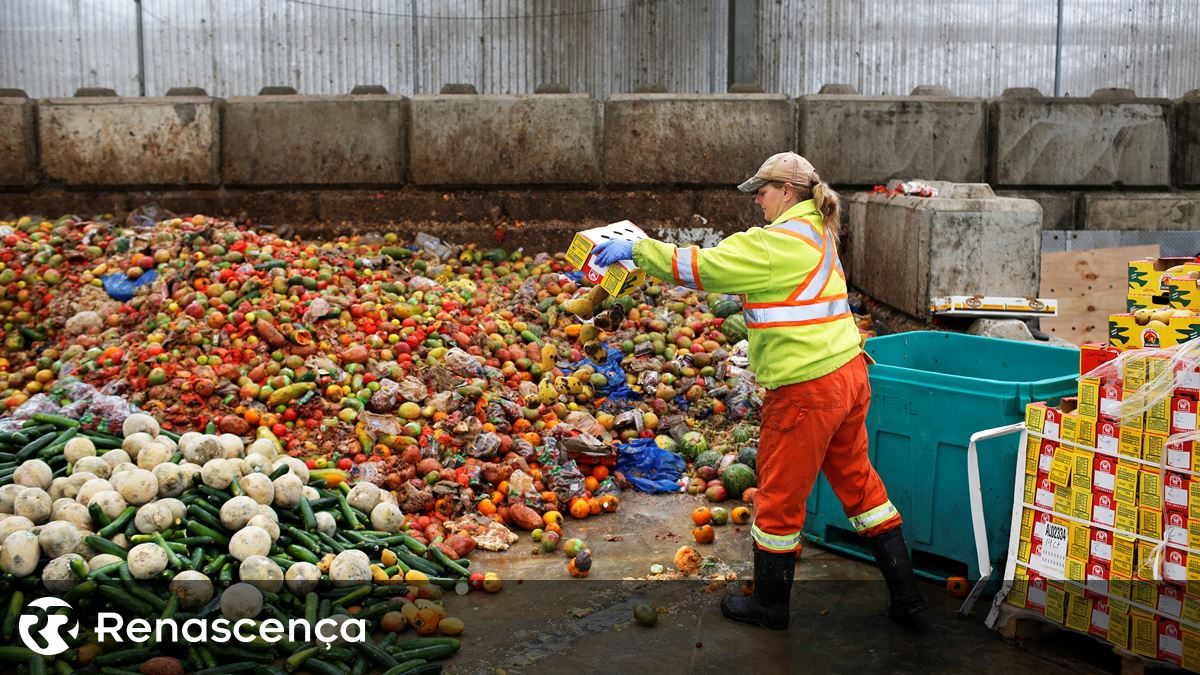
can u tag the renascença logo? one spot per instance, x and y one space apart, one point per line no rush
51 634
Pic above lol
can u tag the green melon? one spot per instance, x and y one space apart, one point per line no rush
734 328
725 308
742 434
749 457
737 478
708 458
692 444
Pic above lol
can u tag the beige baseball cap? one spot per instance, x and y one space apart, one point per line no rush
785 167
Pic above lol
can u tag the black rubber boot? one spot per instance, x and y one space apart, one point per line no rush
891 553
767 606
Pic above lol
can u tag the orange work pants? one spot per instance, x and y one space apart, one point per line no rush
813 426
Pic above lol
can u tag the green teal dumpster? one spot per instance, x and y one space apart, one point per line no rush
930 391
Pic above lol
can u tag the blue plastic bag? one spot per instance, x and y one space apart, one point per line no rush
649 468
617 390
121 287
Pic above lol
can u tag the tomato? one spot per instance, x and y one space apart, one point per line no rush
345 463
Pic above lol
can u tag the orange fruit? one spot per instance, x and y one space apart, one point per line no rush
593 506
704 534
702 516
609 503
552 518
580 509
600 472
487 507
958 587
590 483
740 515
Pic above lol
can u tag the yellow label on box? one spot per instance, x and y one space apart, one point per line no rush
1119 587
1035 417
1143 630
1158 417
1060 467
1191 650
1082 508
1118 627
1023 550
1089 398
1133 422
1056 601
1086 432
1018 593
1064 501
1152 447
1193 534
1027 516
1079 541
1081 476
1130 443
1191 608
1079 612
1125 333
1135 373
1076 570
1033 452
1030 489
1142 593
1143 567
1126 519
1150 489
1127 483
1123 553
1069 427
1193 569
621 278
1150 522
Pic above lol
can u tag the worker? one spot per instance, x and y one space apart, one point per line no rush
805 351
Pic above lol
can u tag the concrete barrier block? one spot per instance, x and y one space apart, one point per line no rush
397 206
130 141
315 140
465 140
711 139
1103 141
1058 208
1187 140
906 250
17 147
1141 211
867 140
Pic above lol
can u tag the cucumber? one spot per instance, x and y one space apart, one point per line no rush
15 654
119 523
406 667
306 513
102 545
446 562
379 609
228 669
127 601
201 530
15 604
303 554
374 652
124 656
415 643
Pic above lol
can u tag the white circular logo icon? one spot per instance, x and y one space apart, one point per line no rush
50 633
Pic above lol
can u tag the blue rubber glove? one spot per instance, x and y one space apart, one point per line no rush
613 250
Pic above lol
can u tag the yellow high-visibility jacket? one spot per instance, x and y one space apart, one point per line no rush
794 292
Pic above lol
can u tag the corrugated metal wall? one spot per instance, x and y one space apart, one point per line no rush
235 47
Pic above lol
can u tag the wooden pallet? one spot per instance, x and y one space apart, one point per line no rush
1023 625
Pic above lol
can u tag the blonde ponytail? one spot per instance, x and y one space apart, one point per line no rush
830 206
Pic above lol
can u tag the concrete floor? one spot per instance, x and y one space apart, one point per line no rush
544 621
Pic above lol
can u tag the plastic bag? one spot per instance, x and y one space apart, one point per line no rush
484 446
617 389
433 245
462 363
121 287
566 481
649 468
368 472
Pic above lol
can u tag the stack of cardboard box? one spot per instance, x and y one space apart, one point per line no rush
1162 305
1109 540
